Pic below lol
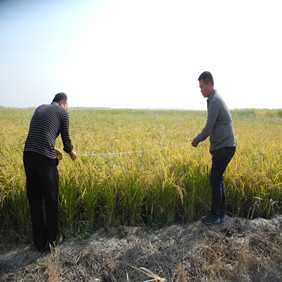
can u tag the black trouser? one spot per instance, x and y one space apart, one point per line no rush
42 184
220 161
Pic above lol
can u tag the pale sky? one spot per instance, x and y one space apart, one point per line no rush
140 54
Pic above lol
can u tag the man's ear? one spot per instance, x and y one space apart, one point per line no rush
210 86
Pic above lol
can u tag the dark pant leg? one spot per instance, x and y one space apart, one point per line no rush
43 186
223 198
35 198
50 190
220 160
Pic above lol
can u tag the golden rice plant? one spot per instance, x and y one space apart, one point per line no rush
137 166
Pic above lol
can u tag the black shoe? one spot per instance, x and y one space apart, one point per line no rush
40 247
222 216
43 249
211 219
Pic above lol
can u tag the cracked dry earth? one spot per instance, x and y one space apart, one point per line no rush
236 250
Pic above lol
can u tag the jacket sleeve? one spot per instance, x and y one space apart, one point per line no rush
65 133
213 110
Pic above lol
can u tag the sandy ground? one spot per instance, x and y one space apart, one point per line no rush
236 250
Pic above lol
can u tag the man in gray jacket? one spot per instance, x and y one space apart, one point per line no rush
222 145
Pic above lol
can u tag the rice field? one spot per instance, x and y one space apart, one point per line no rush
138 167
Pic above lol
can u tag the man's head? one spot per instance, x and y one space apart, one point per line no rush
62 99
206 83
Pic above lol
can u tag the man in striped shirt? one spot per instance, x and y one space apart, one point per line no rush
40 162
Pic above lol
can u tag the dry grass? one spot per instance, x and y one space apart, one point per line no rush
221 257
237 250
53 267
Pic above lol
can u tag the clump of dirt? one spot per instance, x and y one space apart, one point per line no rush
236 250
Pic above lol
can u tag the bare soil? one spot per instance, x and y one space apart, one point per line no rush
236 250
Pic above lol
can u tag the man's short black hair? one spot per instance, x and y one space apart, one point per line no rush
59 97
206 76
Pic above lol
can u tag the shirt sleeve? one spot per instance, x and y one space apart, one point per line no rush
212 117
65 133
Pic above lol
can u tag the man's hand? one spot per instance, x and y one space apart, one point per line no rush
59 154
194 143
73 155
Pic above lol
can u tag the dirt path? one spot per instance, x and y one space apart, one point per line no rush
237 250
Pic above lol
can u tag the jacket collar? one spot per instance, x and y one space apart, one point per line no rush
211 96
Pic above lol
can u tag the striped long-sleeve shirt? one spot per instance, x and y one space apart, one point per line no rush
46 124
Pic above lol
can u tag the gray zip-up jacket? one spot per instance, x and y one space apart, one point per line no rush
219 124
